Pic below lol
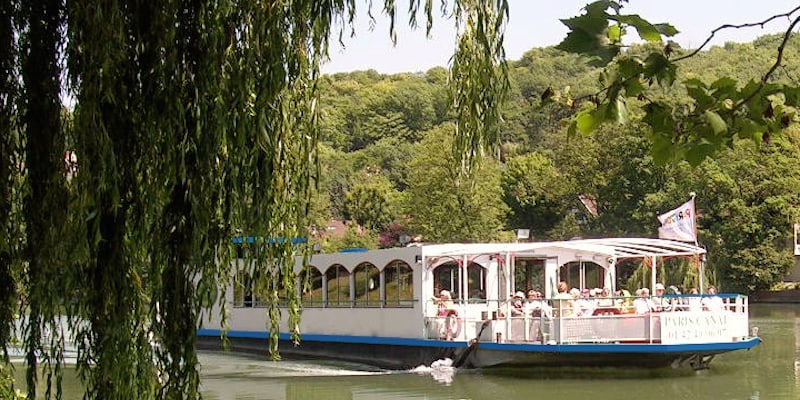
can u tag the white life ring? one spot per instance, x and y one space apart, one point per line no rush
452 324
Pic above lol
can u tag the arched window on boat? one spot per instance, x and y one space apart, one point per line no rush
367 285
310 283
266 282
447 276
252 288
242 290
582 274
255 278
476 283
399 279
243 255
529 274
338 281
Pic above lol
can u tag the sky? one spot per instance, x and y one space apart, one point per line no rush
535 23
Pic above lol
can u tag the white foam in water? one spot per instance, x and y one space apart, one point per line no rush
441 371
216 365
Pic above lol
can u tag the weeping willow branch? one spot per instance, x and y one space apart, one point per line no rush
45 195
479 79
8 148
193 122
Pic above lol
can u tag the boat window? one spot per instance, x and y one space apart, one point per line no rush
476 283
252 289
243 279
529 274
447 277
367 281
338 279
242 290
582 274
399 278
311 286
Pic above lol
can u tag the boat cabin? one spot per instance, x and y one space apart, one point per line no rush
462 292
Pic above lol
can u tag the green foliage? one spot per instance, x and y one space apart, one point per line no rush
388 156
592 34
354 237
629 176
617 166
537 194
371 201
681 272
7 390
445 205
358 110
750 196
693 128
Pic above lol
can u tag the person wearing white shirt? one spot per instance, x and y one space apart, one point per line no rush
712 302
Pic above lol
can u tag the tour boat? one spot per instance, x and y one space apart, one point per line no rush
400 308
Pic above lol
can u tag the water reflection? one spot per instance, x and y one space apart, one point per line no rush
797 353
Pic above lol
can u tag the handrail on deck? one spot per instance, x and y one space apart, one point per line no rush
680 318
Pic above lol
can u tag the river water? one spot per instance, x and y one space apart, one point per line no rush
769 371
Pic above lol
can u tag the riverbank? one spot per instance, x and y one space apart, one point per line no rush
776 297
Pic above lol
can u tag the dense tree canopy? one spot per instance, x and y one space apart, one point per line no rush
445 205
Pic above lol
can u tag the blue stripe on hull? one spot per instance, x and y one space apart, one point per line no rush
522 347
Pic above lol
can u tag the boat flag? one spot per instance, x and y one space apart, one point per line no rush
679 224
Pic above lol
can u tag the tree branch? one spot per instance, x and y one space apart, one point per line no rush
778 61
747 25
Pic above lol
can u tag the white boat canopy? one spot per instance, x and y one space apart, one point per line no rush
611 247
606 252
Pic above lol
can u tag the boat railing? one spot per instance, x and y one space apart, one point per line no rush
672 319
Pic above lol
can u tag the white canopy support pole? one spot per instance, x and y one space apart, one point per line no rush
612 275
509 280
652 292
463 279
701 266
509 276
653 277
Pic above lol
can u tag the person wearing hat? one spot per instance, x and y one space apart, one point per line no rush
445 302
518 304
535 305
660 303
586 303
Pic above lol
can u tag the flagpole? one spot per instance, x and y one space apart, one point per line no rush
694 218
701 260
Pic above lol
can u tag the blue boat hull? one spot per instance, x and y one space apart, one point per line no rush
403 353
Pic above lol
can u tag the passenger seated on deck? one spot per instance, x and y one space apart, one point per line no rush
642 302
712 302
604 298
586 302
514 306
518 305
625 304
695 302
445 303
535 306
673 303
563 303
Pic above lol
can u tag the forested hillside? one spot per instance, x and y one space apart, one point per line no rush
387 167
